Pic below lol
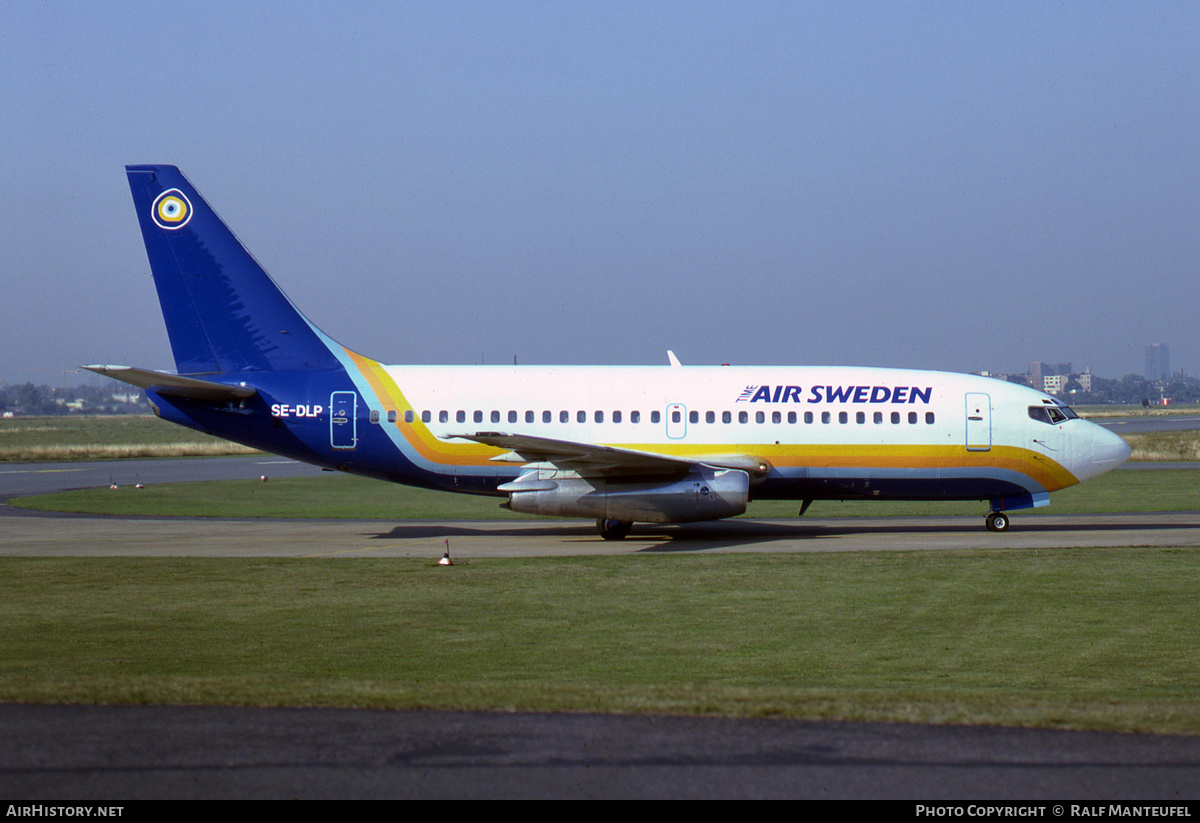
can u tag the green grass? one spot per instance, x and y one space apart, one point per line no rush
42 439
1098 638
1164 446
344 496
326 496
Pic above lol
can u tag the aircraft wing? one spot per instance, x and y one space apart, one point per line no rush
174 384
589 457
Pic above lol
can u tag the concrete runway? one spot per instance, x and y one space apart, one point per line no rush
1142 425
115 753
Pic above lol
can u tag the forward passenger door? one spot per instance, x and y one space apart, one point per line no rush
979 422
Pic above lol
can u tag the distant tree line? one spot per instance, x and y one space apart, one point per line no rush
28 400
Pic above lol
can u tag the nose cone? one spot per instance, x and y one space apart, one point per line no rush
1108 451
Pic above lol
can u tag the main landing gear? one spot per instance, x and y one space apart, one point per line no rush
996 521
613 529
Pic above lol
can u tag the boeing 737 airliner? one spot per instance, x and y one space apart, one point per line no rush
658 444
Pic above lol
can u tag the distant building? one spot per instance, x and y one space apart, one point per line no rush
1054 383
1053 378
1158 361
1048 377
1038 369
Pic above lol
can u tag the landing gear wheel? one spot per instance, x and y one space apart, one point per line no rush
613 529
997 522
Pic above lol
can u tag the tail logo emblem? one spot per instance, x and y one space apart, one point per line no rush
171 210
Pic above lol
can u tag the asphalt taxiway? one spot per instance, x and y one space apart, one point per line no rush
178 752
54 535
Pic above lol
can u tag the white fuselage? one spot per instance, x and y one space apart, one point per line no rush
820 431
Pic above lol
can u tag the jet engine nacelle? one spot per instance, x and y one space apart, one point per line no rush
699 495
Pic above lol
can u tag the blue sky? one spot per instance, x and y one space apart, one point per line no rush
962 186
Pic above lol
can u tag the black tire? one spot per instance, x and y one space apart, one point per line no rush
613 529
997 522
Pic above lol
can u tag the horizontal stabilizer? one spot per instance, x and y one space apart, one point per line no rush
174 384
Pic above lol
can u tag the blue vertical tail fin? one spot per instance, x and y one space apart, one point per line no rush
223 313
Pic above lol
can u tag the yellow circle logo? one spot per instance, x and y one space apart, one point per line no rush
171 210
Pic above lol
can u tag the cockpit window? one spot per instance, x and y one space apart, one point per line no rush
1052 414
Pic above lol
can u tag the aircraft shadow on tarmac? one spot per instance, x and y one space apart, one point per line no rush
709 536
678 537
